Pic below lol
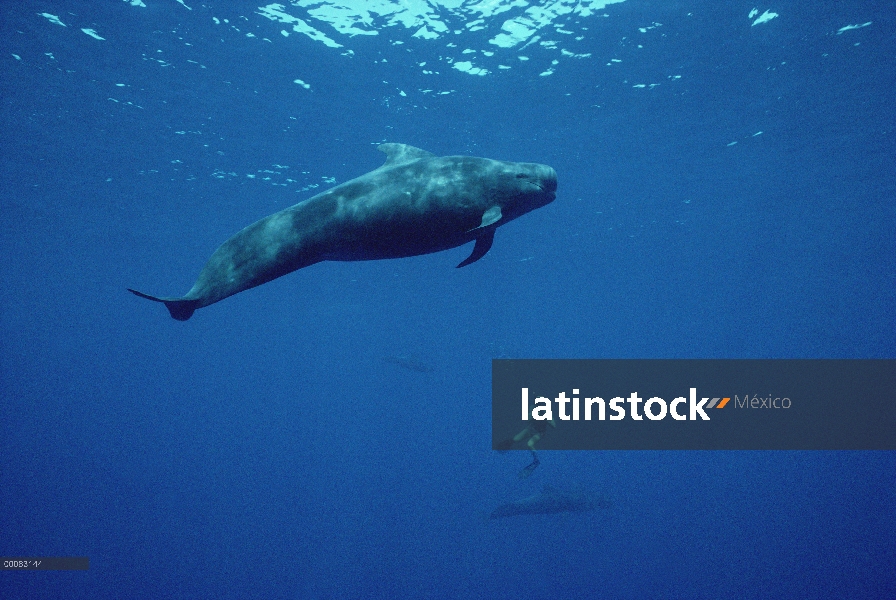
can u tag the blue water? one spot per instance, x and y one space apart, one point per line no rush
327 435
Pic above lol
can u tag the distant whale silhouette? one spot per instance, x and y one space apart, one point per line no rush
416 203
549 501
410 362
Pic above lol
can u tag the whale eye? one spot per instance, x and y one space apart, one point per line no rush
520 175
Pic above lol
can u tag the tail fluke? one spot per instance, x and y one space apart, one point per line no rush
179 308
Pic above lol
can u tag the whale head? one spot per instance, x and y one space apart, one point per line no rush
522 187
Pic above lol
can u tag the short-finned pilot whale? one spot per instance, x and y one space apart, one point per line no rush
550 501
415 203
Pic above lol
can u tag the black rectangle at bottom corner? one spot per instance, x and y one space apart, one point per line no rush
45 563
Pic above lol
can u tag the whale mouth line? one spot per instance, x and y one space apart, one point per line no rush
545 188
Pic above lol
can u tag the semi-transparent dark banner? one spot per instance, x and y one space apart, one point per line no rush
694 404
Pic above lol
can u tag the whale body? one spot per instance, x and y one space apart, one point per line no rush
415 203
549 501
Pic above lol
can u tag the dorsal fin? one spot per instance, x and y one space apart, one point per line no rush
397 154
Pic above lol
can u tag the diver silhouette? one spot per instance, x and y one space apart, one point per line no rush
534 433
